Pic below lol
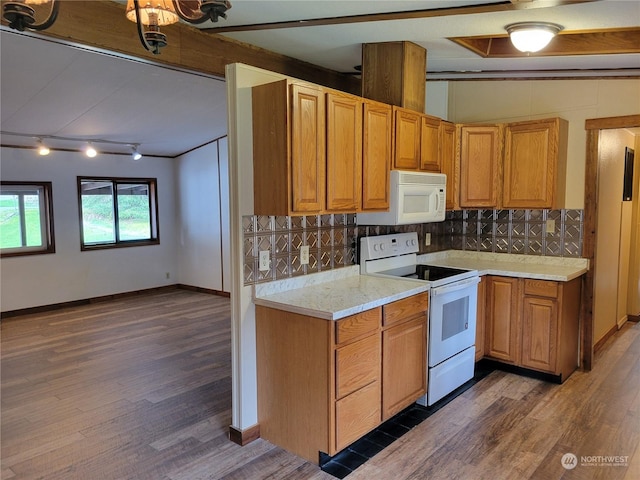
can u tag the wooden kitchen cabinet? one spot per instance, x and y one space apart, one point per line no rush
376 155
535 163
344 152
417 141
317 150
289 159
448 163
430 159
534 323
319 381
480 161
323 384
404 361
503 318
407 129
550 326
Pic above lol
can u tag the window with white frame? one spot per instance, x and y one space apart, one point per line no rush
117 212
26 218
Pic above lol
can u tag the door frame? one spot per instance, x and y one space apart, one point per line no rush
589 246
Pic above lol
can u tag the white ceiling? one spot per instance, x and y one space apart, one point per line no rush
53 89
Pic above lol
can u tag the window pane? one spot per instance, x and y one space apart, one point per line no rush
33 220
10 231
133 211
97 212
25 223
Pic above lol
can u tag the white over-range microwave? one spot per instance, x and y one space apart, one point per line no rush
415 197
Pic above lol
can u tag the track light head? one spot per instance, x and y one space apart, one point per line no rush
135 154
90 151
42 148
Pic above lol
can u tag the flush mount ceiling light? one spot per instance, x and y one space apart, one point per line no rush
532 36
145 13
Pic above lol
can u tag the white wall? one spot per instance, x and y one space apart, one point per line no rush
437 99
240 79
573 100
70 274
202 184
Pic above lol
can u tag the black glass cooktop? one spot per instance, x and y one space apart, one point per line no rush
433 272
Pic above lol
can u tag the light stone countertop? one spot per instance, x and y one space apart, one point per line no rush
561 269
335 298
336 294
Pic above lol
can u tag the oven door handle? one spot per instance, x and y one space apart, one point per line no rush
462 284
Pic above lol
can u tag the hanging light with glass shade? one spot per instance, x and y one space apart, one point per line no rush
152 14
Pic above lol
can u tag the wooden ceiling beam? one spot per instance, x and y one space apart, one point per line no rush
102 25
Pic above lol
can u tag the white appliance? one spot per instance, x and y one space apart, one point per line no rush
453 300
414 197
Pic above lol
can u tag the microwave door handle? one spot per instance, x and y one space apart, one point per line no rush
455 287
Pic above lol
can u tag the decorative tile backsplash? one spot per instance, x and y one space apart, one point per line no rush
556 233
333 239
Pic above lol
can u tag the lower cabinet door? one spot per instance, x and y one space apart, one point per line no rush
539 334
404 365
357 414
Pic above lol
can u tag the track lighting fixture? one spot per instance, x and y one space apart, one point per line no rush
90 151
135 154
152 14
42 148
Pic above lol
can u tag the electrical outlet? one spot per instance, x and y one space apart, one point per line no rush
264 260
551 226
304 255
427 239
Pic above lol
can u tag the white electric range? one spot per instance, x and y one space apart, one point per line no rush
452 307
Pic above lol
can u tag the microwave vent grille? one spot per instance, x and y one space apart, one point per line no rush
422 179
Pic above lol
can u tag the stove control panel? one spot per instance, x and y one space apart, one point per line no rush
384 246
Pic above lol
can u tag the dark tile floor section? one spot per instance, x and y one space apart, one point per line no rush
345 462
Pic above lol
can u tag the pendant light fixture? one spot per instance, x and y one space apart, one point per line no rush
151 14
532 37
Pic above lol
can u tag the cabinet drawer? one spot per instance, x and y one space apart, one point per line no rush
355 326
405 308
541 288
357 365
357 414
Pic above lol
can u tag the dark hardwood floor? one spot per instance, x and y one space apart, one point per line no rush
140 388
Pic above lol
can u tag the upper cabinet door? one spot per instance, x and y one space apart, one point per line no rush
535 164
344 152
307 149
407 143
480 151
376 155
430 144
448 163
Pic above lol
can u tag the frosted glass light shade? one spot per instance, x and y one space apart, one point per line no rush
532 36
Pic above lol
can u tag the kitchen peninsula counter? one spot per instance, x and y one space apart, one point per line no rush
335 294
